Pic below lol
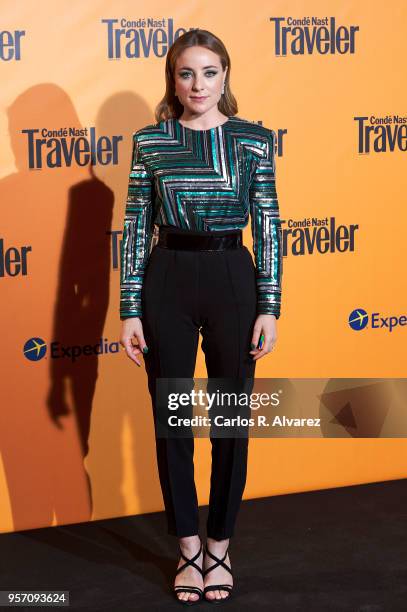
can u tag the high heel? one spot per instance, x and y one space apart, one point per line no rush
186 588
218 587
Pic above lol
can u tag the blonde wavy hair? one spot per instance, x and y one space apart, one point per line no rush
170 106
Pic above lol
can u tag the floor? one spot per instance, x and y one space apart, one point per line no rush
337 549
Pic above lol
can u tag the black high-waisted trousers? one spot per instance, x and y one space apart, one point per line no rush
186 292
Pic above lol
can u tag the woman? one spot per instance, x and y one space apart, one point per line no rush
197 174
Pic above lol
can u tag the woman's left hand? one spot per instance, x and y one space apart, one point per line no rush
265 324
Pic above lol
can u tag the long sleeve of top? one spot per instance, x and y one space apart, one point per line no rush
266 230
137 235
208 180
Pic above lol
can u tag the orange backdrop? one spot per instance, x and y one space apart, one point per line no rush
77 79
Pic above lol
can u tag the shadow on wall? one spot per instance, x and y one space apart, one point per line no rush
65 215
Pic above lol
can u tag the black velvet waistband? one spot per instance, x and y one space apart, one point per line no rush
188 240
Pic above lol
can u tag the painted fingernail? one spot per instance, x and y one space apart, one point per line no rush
145 349
252 346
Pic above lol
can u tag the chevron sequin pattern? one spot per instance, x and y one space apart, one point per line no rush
209 180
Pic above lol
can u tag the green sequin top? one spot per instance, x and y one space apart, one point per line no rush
206 180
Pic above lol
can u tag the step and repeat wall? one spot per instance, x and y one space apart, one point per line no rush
77 79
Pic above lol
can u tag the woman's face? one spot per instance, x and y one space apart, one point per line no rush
199 80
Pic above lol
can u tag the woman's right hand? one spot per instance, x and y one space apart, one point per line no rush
133 328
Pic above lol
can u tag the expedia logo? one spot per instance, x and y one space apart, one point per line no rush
36 348
381 134
359 319
318 235
140 38
10 45
309 35
66 147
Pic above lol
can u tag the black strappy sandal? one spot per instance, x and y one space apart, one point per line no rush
186 588
218 587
